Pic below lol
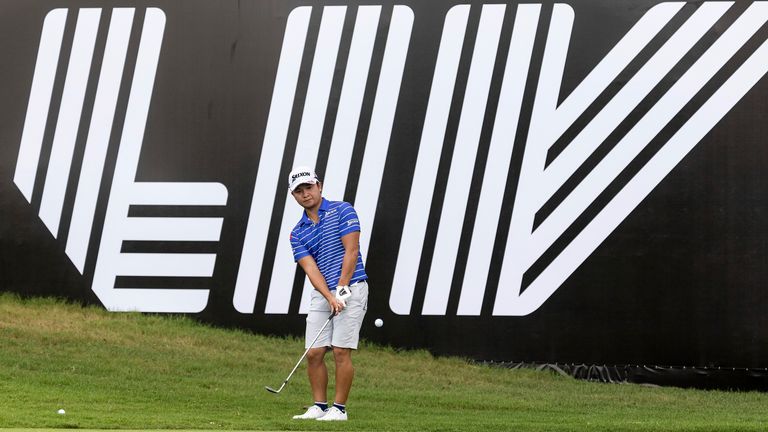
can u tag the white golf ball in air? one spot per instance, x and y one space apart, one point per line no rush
378 322
61 411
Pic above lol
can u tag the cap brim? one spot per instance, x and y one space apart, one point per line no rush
311 181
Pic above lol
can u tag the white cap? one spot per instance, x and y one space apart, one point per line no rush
301 175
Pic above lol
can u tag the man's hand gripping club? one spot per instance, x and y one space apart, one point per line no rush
339 301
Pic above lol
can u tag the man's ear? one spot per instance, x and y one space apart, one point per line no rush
320 186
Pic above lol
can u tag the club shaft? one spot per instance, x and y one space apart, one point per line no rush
307 350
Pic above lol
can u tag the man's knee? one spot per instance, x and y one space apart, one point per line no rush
342 355
315 356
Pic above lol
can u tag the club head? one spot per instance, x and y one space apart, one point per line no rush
271 390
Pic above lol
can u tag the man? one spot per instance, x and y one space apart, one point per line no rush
326 244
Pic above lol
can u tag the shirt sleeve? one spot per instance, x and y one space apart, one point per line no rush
348 221
299 250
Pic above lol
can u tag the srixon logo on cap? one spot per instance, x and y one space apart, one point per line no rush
301 174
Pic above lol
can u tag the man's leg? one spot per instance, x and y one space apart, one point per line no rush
346 335
345 372
317 373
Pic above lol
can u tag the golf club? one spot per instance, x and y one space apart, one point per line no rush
270 389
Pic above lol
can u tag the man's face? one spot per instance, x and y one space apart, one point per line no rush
308 195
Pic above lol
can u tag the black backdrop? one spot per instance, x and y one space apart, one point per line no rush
680 282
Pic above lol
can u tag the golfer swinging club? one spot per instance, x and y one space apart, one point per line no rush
326 245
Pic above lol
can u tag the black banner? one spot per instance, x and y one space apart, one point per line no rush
537 182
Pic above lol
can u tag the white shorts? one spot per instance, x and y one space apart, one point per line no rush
344 329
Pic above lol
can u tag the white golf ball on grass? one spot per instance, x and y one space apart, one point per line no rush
61 411
378 322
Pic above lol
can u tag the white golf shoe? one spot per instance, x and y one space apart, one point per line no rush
333 414
313 413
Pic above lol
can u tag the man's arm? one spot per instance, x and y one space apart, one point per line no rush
351 244
309 266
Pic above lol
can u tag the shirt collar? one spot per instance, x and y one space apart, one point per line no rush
305 220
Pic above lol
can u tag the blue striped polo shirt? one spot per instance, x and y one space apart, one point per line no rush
322 240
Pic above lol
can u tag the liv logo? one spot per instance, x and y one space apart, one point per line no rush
125 191
574 147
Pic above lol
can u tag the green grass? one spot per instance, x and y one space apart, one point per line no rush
133 371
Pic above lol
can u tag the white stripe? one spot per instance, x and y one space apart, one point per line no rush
272 149
157 300
350 103
306 240
166 264
521 251
433 134
382 117
39 101
561 115
308 145
499 157
183 193
630 96
648 178
534 157
98 136
622 154
171 229
69 118
348 116
111 262
139 100
463 160
642 133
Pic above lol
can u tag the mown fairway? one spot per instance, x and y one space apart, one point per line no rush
132 371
